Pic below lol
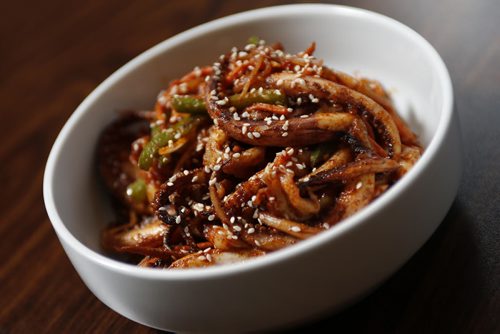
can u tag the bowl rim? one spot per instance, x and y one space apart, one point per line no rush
287 253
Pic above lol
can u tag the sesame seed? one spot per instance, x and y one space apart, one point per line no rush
216 167
211 217
236 116
236 155
250 135
207 169
237 228
257 242
295 229
170 184
284 134
198 207
212 181
183 87
245 114
162 100
232 220
197 71
249 47
279 82
221 102
256 134
209 257
250 230
185 172
359 185
178 219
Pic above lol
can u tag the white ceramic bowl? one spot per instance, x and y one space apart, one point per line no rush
316 276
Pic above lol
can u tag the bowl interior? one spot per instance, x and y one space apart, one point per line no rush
354 41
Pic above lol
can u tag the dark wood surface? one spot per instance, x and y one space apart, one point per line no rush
53 53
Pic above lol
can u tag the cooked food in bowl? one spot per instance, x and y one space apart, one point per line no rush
247 156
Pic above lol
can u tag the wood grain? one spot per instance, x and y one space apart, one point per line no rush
53 53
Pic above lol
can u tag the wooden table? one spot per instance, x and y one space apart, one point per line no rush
53 53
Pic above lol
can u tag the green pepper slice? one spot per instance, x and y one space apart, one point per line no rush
188 104
270 96
137 191
161 138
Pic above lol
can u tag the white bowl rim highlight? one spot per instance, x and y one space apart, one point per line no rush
306 245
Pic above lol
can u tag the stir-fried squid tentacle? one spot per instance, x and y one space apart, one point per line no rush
350 171
325 89
294 148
